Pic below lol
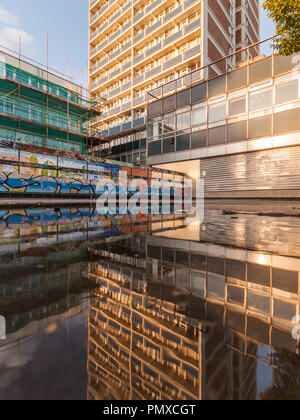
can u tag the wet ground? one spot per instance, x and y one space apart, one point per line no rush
148 308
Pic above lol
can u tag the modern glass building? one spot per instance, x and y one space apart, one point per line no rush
239 130
41 108
139 45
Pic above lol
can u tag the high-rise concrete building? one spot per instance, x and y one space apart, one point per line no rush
139 45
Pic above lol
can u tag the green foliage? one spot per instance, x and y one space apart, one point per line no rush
286 377
286 14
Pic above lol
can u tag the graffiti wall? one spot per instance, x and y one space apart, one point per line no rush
40 184
23 222
25 183
39 232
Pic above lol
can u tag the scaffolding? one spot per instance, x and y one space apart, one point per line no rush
36 111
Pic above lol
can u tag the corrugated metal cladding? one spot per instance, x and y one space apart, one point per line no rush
275 169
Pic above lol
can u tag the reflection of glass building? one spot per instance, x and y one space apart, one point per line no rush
238 130
154 336
183 319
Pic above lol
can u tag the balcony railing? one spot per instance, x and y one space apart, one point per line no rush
111 75
192 51
173 14
111 39
124 127
153 49
153 72
173 38
173 61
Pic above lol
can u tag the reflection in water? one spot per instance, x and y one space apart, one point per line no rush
148 307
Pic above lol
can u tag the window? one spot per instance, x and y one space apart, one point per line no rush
169 124
199 115
217 112
237 106
261 100
287 92
155 128
198 284
136 158
183 142
169 145
183 121
183 278
154 148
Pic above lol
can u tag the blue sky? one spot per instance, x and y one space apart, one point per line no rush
66 22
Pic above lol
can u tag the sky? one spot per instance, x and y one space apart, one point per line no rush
66 22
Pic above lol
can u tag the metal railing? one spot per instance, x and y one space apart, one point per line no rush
222 65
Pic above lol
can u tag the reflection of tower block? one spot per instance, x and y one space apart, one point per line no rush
2 328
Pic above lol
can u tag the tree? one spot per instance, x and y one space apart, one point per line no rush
286 14
286 377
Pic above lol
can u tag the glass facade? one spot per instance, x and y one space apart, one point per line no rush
130 149
228 109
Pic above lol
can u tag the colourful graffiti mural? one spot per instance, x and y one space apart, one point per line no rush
41 184
64 216
53 227
19 183
25 172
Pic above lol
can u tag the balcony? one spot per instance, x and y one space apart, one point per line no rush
114 92
173 38
190 53
127 106
140 100
127 66
123 128
153 72
173 61
96 33
100 47
115 54
114 111
106 7
153 6
101 81
139 121
126 86
139 58
115 17
104 133
192 26
112 57
153 50
117 72
127 126
138 38
152 28
120 89
122 30
138 17
139 79
115 130
99 13
173 14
